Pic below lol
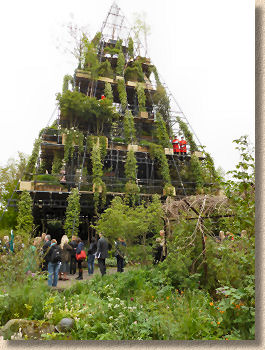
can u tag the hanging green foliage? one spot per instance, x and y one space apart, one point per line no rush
101 141
71 224
96 39
66 80
118 45
122 93
153 69
73 137
108 92
30 168
129 127
25 217
57 164
130 48
97 173
131 166
162 102
134 72
141 97
197 173
105 69
161 132
188 135
120 64
157 152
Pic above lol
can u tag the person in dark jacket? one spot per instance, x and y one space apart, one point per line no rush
91 256
80 247
73 244
53 266
120 247
102 253
46 245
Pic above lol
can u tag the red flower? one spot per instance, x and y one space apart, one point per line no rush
132 299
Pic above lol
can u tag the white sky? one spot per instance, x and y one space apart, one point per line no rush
204 51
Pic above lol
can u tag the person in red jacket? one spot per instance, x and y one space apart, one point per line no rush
183 146
175 143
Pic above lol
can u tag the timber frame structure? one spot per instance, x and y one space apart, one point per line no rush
50 188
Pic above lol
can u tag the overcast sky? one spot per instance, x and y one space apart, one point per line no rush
204 51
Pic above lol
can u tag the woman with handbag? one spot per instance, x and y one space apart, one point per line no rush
80 257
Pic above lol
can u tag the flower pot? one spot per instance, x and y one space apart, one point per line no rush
133 148
168 151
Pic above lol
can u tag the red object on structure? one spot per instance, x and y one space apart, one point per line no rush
183 145
102 97
175 143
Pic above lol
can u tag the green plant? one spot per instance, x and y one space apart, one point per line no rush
187 134
66 80
30 168
108 92
105 69
134 72
97 173
161 132
89 57
162 102
157 152
131 166
141 97
129 127
25 217
71 224
120 64
57 164
122 93
130 48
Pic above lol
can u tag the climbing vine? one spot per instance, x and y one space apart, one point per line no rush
122 93
101 140
188 135
131 188
25 217
71 224
120 64
161 131
97 173
129 127
57 164
73 137
30 168
141 97
108 92
130 48
157 152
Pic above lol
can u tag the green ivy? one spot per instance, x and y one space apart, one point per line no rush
105 69
129 127
25 217
141 97
161 132
188 135
120 64
66 80
131 166
108 92
30 168
134 72
97 173
130 48
122 93
71 224
57 164
73 137
157 152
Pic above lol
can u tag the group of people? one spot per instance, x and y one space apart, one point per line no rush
179 146
61 259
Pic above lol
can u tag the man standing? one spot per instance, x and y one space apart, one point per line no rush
120 247
54 258
175 143
102 253
183 146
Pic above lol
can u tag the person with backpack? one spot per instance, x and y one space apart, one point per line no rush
91 256
73 244
54 258
80 257
120 248
66 256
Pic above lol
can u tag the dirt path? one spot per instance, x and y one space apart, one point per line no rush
72 278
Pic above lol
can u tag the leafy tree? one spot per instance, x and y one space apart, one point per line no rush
105 69
90 58
122 93
131 166
30 168
9 176
25 217
71 224
130 48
